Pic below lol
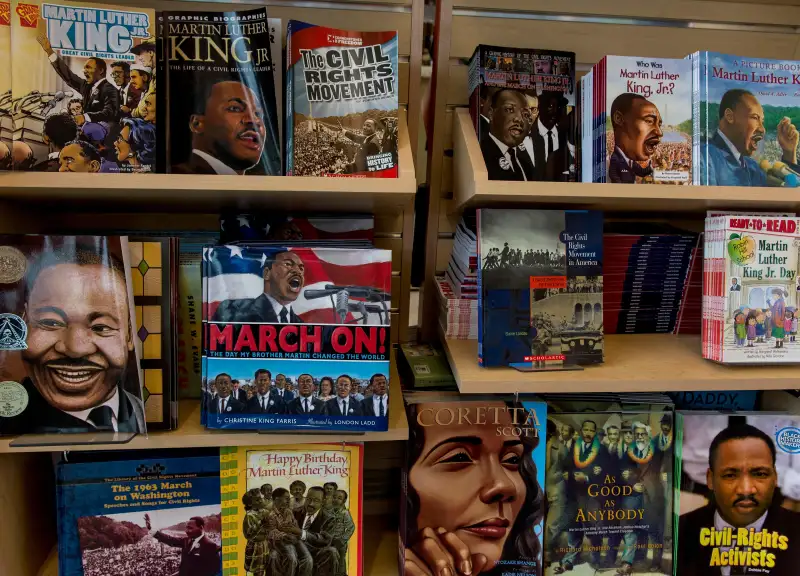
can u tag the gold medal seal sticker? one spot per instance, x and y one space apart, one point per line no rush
13 399
12 265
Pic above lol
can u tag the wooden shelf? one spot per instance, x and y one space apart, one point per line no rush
192 193
191 434
472 187
633 363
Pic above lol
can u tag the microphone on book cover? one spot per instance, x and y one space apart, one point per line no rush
367 292
780 172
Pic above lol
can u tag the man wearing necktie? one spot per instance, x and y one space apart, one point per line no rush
637 132
315 525
378 403
342 404
305 403
200 556
508 125
280 389
284 278
551 153
263 401
224 402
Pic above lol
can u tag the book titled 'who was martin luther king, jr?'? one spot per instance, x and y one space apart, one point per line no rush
83 87
473 485
223 117
293 509
540 288
69 361
341 102
139 513
310 317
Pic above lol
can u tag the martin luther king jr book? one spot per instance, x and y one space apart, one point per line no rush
223 117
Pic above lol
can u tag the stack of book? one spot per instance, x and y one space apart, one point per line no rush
462 271
644 276
691 311
458 317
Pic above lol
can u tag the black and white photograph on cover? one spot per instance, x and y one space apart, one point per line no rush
739 472
342 145
165 542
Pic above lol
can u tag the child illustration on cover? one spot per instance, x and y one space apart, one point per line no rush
779 331
739 328
794 326
787 326
760 326
767 324
751 329
254 528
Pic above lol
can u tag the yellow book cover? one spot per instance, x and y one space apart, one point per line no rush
291 510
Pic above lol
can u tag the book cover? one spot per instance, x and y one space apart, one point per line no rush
85 99
227 122
301 318
341 102
738 493
609 492
540 283
6 118
151 515
523 104
69 361
427 366
279 227
746 113
647 119
292 510
473 486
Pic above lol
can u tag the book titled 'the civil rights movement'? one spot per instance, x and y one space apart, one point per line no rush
296 337
341 102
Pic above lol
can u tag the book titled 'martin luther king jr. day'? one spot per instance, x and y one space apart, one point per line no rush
341 102
312 319
69 361
83 87
522 102
293 509
223 117
746 113
473 484
139 513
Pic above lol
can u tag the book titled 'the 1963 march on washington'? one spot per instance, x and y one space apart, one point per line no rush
341 102
221 90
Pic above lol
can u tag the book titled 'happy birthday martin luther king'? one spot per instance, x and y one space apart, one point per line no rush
341 102
296 316
223 117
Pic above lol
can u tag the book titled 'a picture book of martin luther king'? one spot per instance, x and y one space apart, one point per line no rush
83 87
221 90
746 114
313 321
341 102
292 510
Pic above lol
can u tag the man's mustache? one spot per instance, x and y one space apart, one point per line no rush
72 363
741 499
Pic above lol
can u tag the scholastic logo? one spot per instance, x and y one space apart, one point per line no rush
28 15
5 14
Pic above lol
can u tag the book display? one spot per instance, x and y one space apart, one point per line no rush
533 368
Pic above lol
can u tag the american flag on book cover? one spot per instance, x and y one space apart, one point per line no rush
300 315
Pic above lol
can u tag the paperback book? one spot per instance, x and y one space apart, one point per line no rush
6 118
728 92
523 105
305 319
341 102
292 510
540 285
84 87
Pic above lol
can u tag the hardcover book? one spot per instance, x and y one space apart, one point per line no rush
223 118
69 361
746 112
646 120
296 337
751 287
85 98
540 285
292 509
142 514
523 104
473 485
609 490
6 118
722 528
341 102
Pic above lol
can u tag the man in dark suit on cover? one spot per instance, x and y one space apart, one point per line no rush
735 286
224 402
129 95
315 523
238 392
501 146
200 556
743 480
549 138
284 277
378 403
281 390
264 401
100 97
305 403
368 145
342 404
637 132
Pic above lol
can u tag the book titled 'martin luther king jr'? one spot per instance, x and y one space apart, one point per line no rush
223 117
341 102
315 321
